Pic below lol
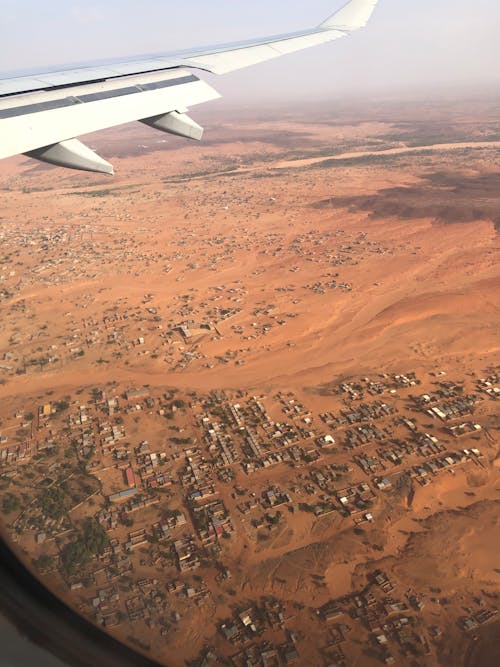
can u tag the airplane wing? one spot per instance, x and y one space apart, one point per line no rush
41 114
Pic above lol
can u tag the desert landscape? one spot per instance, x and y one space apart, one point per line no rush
249 388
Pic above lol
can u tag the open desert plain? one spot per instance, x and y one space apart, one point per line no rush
249 388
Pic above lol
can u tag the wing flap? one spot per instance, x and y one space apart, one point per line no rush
25 132
44 109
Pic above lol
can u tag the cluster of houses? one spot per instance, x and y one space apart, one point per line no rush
245 630
95 334
379 440
395 627
426 471
490 385
364 412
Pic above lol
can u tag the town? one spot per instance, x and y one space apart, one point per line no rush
249 388
199 328
140 505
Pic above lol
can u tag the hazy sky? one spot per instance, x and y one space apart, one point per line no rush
408 44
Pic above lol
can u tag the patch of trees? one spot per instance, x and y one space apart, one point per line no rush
51 502
79 487
200 520
10 503
181 441
167 514
89 543
305 507
274 520
44 562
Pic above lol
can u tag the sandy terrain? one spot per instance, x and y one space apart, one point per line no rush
276 259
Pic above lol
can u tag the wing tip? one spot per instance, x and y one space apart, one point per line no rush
352 16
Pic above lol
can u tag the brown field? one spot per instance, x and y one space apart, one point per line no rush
277 257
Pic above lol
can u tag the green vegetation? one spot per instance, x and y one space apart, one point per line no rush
182 441
386 159
56 500
168 514
200 520
201 174
89 543
79 487
274 520
116 191
43 562
10 503
51 503
305 507
92 193
139 643
429 137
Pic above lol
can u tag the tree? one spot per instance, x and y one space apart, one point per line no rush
51 502
44 562
91 542
10 503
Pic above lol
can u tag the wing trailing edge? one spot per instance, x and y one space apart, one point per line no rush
41 114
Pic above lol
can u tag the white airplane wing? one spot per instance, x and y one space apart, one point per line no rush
42 113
